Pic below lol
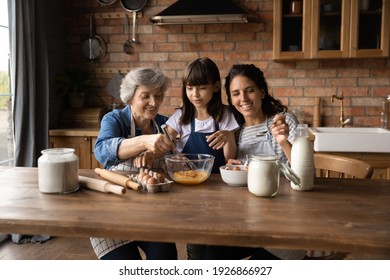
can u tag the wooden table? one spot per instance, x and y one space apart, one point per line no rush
345 215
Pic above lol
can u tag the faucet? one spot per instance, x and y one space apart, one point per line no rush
342 122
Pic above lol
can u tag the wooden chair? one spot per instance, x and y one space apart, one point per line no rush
335 166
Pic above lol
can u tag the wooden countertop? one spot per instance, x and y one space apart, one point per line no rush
345 215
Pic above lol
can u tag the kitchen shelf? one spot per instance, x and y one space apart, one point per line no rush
343 31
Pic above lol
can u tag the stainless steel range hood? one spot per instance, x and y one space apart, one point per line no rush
202 12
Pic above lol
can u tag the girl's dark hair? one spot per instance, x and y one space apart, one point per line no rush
270 105
202 71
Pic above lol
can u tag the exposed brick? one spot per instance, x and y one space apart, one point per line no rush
380 91
194 28
183 56
323 92
260 55
168 47
219 28
364 82
195 46
223 46
217 37
373 81
287 91
353 73
236 56
249 46
305 82
322 73
341 82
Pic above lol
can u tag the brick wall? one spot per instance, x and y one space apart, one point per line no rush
364 82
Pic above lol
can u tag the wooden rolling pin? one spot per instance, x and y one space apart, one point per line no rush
118 179
101 185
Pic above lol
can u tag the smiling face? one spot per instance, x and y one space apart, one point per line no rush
201 95
145 103
247 98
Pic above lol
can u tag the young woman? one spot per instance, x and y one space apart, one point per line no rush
266 129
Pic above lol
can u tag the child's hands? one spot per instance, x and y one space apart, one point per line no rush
219 139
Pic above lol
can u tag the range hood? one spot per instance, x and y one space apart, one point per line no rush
202 12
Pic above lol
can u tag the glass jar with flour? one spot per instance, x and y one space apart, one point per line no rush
58 171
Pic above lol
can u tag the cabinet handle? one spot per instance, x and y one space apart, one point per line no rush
86 139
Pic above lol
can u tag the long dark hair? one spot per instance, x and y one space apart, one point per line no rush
270 105
201 71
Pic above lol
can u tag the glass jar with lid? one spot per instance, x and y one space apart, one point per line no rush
263 175
58 171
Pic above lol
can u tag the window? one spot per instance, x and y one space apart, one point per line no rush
6 147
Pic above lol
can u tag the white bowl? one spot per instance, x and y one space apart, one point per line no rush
235 178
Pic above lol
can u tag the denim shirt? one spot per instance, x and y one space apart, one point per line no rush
114 128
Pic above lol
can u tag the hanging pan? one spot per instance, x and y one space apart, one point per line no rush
133 6
93 47
106 2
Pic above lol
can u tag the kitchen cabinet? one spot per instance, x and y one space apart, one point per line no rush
331 29
82 140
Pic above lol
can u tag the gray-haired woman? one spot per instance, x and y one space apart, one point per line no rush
128 139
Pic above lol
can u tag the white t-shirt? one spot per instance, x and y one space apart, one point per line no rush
228 122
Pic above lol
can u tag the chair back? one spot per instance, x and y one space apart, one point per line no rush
335 166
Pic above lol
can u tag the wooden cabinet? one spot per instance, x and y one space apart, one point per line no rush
82 140
331 29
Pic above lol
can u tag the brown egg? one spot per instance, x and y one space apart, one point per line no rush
236 168
146 178
152 181
140 176
161 178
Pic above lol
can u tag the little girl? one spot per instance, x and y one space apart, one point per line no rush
204 124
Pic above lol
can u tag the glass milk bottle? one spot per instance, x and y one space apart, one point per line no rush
302 159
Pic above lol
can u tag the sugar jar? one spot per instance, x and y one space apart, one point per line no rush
58 171
263 175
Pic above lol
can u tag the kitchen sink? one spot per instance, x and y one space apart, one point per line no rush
351 139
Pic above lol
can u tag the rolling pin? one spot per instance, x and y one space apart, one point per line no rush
100 185
118 179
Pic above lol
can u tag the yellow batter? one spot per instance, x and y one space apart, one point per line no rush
190 177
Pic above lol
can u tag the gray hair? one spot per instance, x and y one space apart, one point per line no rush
143 76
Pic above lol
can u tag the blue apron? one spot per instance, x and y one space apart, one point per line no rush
196 144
